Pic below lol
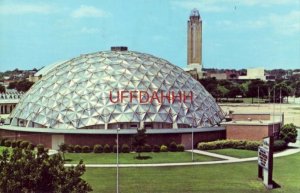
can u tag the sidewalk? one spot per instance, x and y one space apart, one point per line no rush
228 160
213 154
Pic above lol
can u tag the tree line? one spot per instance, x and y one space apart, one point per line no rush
269 90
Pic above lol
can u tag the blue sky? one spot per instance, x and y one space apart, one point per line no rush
236 33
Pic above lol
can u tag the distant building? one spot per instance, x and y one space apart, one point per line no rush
217 76
254 73
194 45
9 100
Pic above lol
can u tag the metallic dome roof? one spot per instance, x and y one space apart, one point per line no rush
75 94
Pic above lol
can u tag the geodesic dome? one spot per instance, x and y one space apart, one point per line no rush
76 95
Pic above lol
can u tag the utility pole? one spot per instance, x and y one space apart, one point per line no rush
118 160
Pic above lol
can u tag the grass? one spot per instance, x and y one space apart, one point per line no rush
220 178
238 153
128 158
255 100
244 100
295 108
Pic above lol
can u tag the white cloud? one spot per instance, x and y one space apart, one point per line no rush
19 9
87 30
286 24
88 11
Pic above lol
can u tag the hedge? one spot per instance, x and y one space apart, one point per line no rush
125 148
77 149
235 144
180 147
147 148
86 149
156 148
280 145
106 148
173 146
163 148
24 144
7 143
98 148
70 148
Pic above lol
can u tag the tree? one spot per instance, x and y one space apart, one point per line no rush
296 87
20 85
24 171
2 88
63 148
256 86
139 140
234 91
284 89
221 91
288 133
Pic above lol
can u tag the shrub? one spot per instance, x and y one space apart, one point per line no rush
2 142
98 148
30 146
252 145
163 148
280 145
139 149
180 147
7 143
125 148
77 149
40 148
115 149
70 148
106 148
147 148
173 146
86 149
156 148
235 144
205 146
19 142
24 144
288 133
13 144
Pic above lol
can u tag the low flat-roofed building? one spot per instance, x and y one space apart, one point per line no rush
254 73
8 101
252 126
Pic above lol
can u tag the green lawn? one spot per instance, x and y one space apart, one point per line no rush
128 158
220 178
238 153
255 100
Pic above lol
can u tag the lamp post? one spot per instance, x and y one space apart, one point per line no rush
274 101
192 126
118 160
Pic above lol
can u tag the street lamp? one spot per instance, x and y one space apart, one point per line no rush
192 126
118 129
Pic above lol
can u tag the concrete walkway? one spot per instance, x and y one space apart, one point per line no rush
228 160
213 154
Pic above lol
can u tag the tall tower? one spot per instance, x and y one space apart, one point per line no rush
194 42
